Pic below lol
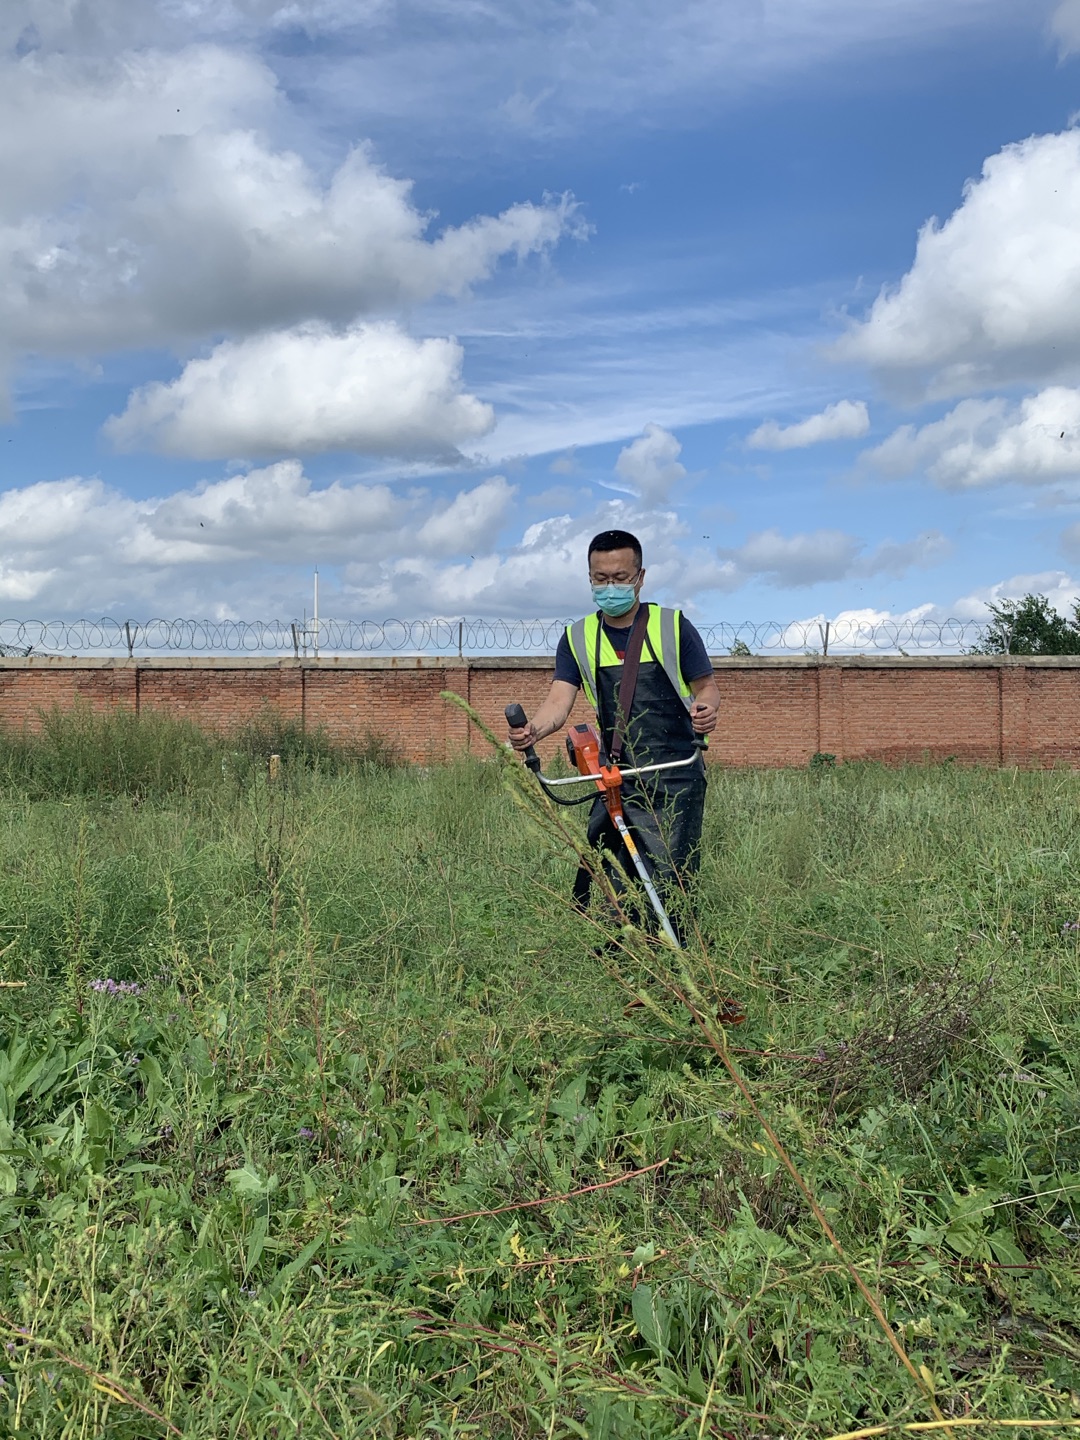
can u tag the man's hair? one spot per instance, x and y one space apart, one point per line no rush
615 540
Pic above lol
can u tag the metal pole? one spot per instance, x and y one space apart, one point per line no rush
460 638
315 618
295 641
823 631
643 875
130 640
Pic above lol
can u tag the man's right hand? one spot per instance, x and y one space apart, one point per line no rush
523 736
549 717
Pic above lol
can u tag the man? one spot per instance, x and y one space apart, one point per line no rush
675 697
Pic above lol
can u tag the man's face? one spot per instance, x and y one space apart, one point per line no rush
615 567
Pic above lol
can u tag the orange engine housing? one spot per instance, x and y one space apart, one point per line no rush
583 748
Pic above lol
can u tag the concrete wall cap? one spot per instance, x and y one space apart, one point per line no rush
331 663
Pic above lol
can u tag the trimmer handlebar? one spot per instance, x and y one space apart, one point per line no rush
639 770
517 720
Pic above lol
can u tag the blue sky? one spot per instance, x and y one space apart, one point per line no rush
425 293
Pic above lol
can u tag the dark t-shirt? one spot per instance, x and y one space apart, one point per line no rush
692 653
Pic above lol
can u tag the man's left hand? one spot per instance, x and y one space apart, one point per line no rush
703 717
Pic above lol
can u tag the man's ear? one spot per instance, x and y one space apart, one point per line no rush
640 579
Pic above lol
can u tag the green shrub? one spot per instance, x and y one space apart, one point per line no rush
81 751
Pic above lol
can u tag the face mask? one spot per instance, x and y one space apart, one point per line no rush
614 600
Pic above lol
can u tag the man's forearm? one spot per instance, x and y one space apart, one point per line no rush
555 711
548 719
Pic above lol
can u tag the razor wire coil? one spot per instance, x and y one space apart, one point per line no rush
461 636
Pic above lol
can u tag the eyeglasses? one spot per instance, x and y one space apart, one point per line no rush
618 579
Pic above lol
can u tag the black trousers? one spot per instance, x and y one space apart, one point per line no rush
665 822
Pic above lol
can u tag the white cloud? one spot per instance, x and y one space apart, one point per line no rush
268 514
818 556
544 574
471 521
650 464
76 543
783 560
858 630
896 558
990 442
594 367
625 63
925 628
843 420
94 25
1057 585
243 546
143 202
607 60
1065 27
994 292
372 389
17 586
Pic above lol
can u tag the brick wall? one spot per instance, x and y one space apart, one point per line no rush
994 710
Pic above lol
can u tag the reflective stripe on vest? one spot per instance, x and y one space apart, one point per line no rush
664 637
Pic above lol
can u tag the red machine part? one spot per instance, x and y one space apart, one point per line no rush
583 747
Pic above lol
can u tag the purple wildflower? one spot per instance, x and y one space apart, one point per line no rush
108 986
305 1133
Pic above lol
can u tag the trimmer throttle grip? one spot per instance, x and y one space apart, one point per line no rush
516 719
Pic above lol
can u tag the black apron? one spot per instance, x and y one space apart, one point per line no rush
663 813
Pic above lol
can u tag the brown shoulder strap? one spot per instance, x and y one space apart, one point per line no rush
628 681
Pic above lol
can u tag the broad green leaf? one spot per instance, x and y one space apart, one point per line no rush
255 1245
645 1318
249 1184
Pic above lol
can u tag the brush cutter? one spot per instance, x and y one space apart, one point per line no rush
586 752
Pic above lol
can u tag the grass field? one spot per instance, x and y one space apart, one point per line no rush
293 1062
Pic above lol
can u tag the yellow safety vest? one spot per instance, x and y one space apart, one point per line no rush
663 641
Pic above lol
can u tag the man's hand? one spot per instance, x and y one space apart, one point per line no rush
551 716
706 704
523 736
703 717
